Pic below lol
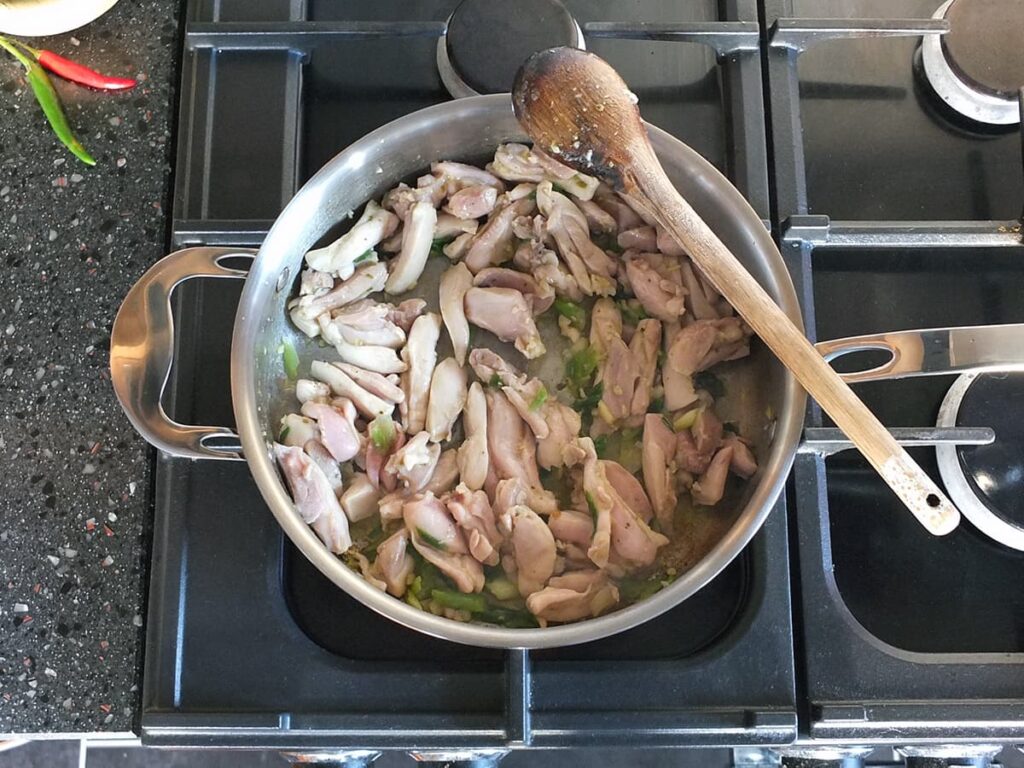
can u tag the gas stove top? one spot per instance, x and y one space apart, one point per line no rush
843 624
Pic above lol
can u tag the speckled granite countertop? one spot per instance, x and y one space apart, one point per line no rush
75 488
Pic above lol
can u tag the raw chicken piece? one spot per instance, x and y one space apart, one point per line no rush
446 474
707 432
605 325
641 238
732 342
472 202
688 458
473 456
360 498
449 227
364 281
513 452
494 243
633 541
368 572
528 397
390 506
540 295
327 463
659 448
624 216
573 596
507 494
448 391
618 375
472 513
564 424
306 389
644 347
572 527
376 464
543 263
420 354
709 488
337 428
667 244
297 430
599 497
403 197
405 314
505 313
697 300
458 176
591 267
599 220
416 242
372 358
651 281
517 162
629 488
690 346
458 247
414 462
373 383
366 322
743 462
314 499
435 536
677 386
394 563
451 294
533 547
521 190
339 258
342 384
313 282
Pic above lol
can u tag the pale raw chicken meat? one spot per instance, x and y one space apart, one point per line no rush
405 314
629 488
359 500
592 268
546 269
372 358
564 424
639 238
458 176
599 220
297 430
473 455
376 460
420 354
451 295
307 389
338 431
540 295
341 384
599 497
605 325
513 451
644 348
472 202
313 497
366 322
374 383
625 217
572 527
439 541
743 462
340 257
403 197
394 564
505 313
448 391
697 300
709 488
732 341
633 541
314 282
573 596
507 494
667 244
707 432
619 373
458 247
527 396
472 512
494 243
651 280
414 462
449 227
364 281
367 570
446 474
416 241
327 463
688 458
517 162
533 547
658 452
690 346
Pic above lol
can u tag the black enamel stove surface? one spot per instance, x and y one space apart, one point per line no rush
249 645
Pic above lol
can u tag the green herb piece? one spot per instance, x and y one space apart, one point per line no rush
601 446
48 99
382 433
431 541
429 576
366 256
590 398
495 382
632 312
539 399
710 383
573 311
502 588
284 434
474 603
580 368
631 590
291 360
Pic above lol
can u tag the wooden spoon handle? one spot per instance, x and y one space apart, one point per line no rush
914 487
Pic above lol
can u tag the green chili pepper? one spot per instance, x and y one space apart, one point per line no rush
474 603
369 255
47 97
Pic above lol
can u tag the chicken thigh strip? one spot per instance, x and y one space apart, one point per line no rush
420 355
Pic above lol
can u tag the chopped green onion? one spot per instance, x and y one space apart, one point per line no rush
411 599
416 587
382 432
437 246
539 399
474 603
580 368
590 398
495 382
505 617
573 311
592 507
502 588
368 255
291 361
632 312
686 420
601 446
431 541
284 434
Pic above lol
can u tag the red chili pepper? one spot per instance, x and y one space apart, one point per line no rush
78 73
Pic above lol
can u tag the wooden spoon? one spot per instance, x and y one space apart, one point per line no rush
577 108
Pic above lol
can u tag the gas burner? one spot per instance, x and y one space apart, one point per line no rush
487 40
978 67
986 481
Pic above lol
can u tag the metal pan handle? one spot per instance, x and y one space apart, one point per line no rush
934 351
142 350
